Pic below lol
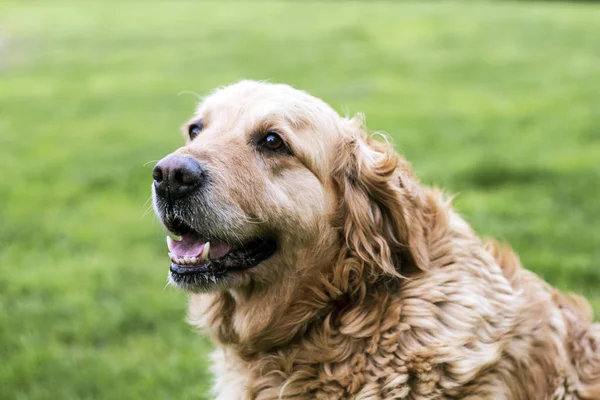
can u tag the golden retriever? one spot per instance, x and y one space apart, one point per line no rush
322 269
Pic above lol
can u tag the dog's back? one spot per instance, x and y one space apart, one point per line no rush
563 357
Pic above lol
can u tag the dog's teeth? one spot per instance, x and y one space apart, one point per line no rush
187 260
205 252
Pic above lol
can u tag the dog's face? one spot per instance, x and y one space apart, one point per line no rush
249 193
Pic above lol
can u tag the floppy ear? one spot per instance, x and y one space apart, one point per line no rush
380 210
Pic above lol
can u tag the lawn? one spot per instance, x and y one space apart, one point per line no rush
497 103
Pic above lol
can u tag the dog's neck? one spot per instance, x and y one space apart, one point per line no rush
256 320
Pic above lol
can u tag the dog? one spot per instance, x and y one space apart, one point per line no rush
323 269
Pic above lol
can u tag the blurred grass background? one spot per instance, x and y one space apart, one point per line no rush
497 102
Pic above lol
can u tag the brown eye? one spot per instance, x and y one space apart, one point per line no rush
195 129
273 142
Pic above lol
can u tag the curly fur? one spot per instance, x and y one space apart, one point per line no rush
401 301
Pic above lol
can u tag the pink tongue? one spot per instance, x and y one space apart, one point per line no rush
188 246
192 246
218 250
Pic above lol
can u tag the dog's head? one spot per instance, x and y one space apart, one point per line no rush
272 184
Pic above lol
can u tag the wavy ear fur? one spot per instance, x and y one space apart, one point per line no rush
380 211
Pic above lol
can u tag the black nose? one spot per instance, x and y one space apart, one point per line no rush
177 176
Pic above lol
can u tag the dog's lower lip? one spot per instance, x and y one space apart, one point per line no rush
189 269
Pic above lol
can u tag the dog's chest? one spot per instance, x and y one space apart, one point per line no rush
439 339
408 351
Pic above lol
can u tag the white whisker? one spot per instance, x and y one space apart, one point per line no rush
148 211
200 98
148 207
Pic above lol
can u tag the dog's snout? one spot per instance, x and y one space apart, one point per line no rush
177 176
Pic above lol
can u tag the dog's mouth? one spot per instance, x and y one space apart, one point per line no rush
198 262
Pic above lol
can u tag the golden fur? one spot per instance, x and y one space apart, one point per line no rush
379 289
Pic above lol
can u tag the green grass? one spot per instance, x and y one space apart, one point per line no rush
498 103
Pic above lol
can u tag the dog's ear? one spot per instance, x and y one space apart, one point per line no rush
379 210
